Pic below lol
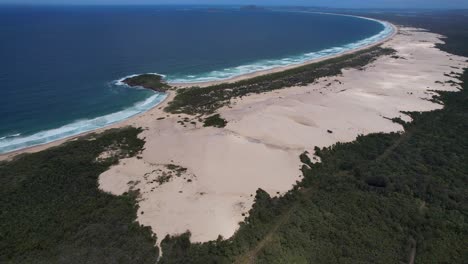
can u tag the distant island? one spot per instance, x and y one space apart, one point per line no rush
151 81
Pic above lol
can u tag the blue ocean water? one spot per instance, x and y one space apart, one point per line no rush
60 65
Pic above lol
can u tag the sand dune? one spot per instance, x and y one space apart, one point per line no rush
204 179
266 133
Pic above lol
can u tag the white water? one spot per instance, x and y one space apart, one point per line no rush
8 144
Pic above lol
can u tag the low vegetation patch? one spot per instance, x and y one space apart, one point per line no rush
149 81
215 121
178 170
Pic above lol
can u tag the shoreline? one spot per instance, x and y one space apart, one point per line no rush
125 122
291 66
119 124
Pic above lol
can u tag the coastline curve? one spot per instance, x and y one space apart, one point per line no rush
17 143
272 65
78 127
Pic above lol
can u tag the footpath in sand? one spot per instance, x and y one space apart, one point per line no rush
214 173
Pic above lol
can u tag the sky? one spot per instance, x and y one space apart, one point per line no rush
453 4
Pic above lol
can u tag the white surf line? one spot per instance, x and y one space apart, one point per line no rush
79 127
268 65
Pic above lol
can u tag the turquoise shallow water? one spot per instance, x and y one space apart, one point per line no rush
60 65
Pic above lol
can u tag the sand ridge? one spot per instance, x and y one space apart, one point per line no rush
266 133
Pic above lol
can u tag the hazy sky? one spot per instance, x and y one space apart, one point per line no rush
330 3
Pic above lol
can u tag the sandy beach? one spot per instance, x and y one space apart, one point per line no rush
221 168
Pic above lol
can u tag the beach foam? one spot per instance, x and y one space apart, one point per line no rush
15 142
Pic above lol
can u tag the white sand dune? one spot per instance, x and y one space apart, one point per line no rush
266 133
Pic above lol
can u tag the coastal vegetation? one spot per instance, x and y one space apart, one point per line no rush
149 81
206 100
53 212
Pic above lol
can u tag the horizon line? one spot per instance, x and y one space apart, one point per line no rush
223 5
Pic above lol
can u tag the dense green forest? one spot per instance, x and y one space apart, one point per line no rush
53 212
385 198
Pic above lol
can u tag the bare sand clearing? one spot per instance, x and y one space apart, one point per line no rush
266 133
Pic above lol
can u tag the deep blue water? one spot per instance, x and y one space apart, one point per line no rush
59 65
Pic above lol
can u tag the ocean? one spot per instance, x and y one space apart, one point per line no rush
60 66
